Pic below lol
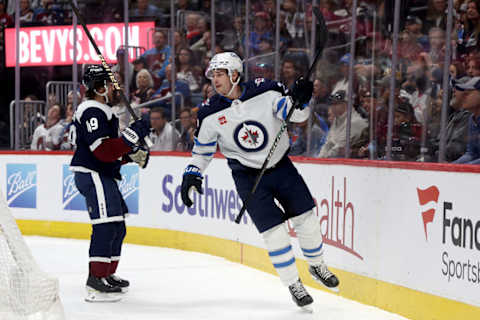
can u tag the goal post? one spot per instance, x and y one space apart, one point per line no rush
26 292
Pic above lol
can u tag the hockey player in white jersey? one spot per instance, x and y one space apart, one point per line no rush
242 119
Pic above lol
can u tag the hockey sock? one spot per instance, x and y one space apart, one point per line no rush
114 265
280 251
100 269
307 227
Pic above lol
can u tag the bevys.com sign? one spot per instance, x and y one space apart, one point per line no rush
53 45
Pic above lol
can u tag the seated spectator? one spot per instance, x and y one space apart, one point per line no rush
456 131
406 134
334 146
317 134
342 84
26 12
471 102
261 29
469 36
144 83
473 67
435 56
165 90
6 20
145 9
163 135
48 136
184 66
371 143
49 13
289 72
187 130
120 66
192 29
158 58
67 142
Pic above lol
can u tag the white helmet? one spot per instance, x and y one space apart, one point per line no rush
225 60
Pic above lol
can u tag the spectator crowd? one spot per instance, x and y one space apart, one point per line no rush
174 67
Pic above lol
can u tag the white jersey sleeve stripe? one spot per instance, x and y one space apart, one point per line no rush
96 143
207 144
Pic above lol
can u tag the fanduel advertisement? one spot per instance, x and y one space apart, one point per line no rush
456 232
21 185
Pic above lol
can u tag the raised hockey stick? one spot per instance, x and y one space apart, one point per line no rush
105 65
321 41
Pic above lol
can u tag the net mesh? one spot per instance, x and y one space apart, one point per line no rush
26 292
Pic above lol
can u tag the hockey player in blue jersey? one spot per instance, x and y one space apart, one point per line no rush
243 120
100 152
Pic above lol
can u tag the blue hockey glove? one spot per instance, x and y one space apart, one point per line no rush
133 134
192 178
302 92
140 155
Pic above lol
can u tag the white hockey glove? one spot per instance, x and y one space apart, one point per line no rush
140 156
133 134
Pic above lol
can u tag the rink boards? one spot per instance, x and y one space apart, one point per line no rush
403 237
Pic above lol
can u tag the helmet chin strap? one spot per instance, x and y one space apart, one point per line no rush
234 84
104 94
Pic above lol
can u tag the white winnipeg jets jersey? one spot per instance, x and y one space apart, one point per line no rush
245 129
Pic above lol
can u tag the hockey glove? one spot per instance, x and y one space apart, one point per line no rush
192 178
302 92
133 134
140 155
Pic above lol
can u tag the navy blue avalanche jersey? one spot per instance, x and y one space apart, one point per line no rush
94 122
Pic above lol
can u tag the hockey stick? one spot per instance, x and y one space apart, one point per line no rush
323 37
105 65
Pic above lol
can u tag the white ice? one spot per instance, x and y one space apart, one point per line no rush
174 284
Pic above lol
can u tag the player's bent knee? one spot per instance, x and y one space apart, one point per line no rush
276 237
305 220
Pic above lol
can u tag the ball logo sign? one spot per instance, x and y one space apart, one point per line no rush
129 187
22 185
71 197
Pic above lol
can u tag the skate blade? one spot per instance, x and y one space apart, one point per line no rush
307 309
97 296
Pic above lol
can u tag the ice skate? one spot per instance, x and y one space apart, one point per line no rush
119 282
300 295
322 275
99 290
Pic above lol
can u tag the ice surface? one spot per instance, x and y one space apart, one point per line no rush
174 284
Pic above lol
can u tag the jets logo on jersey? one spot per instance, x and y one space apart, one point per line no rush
250 136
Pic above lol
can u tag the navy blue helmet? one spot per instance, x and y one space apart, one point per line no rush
94 75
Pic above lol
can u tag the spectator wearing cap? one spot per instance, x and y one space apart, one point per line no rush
456 131
471 102
120 66
261 29
334 146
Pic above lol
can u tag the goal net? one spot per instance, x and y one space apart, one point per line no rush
26 292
